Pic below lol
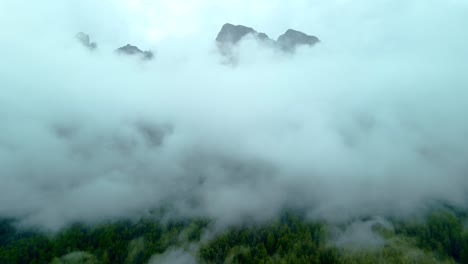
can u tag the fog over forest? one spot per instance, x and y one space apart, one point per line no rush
370 122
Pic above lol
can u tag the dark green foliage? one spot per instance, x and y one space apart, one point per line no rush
442 233
108 242
290 239
33 249
7 231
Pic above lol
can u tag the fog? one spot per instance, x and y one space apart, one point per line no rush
368 123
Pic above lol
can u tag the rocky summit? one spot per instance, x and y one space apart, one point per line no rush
293 38
231 34
135 51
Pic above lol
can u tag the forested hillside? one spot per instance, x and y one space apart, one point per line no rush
439 238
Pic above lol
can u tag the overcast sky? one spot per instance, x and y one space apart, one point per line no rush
370 122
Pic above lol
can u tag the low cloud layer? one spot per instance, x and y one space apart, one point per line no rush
370 122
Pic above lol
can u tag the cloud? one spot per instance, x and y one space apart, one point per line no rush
369 122
360 234
174 256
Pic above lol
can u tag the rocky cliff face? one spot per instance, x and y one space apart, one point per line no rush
135 51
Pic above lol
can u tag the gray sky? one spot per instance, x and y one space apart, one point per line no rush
369 122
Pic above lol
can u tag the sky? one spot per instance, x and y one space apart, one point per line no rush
370 122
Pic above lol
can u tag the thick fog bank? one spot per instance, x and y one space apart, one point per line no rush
370 122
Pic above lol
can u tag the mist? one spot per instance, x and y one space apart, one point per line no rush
370 122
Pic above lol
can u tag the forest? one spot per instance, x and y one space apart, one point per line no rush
439 237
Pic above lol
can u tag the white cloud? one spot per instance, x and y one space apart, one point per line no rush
369 122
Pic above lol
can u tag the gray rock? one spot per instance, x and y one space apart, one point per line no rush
290 40
86 41
135 51
231 34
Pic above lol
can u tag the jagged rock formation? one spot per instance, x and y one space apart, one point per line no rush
86 41
134 50
230 35
128 49
293 38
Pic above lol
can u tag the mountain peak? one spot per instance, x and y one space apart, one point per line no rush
291 39
232 34
134 50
